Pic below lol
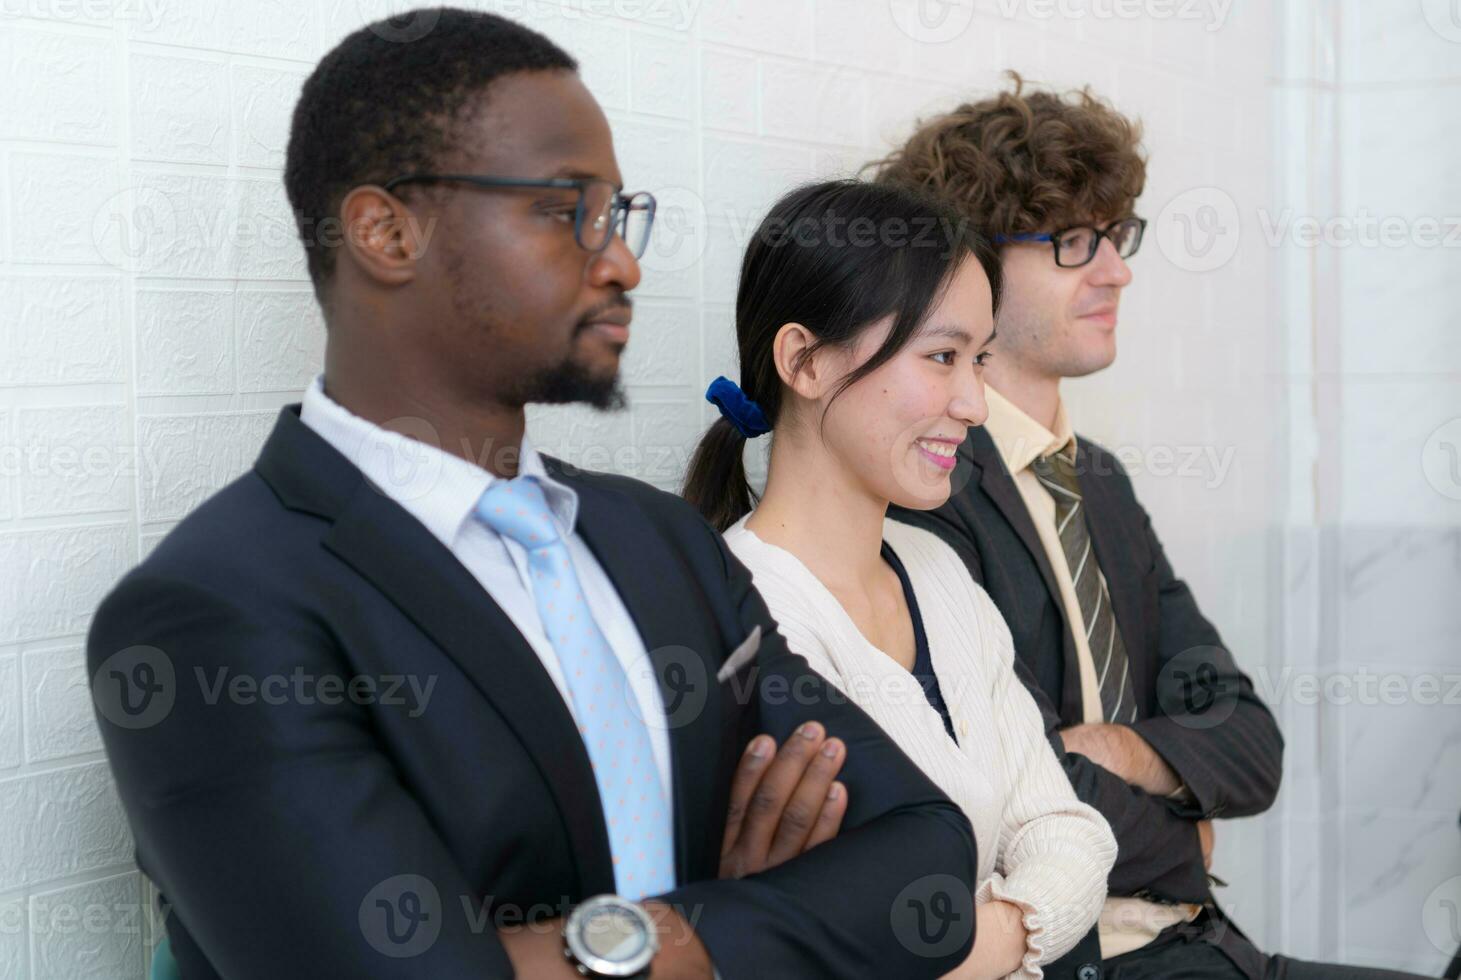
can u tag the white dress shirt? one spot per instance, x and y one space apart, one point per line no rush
441 491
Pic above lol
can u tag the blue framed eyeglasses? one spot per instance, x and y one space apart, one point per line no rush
1074 247
600 211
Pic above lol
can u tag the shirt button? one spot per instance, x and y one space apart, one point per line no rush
1089 971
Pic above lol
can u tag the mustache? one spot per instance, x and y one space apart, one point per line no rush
622 303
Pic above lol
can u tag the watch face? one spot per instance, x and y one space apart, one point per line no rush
614 933
609 936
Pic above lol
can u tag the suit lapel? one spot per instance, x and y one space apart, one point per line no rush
646 572
1102 519
997 483
416 572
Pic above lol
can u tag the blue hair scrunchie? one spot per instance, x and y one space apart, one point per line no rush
743 413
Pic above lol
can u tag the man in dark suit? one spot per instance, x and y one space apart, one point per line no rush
1156 724
411 699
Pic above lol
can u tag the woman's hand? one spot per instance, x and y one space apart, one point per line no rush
999 943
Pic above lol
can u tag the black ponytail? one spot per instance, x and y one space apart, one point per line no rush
717 483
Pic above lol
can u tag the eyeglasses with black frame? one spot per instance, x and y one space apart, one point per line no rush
1074 247
601 209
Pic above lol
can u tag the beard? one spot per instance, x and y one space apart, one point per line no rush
569 382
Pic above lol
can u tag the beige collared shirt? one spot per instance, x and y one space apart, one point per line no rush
1126 923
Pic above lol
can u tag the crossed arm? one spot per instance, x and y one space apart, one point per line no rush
1160 781
1122 752
312 789
784 801
1218 755
772 916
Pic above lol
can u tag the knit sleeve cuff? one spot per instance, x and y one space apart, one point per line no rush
1058 912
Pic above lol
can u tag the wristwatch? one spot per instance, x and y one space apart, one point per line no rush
610 937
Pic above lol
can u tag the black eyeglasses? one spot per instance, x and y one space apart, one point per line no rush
1074 247
600 211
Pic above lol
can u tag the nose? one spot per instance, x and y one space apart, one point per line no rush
968 404
1108 268
614 266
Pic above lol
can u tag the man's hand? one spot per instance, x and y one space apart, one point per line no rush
782 806
1122 751
1205 836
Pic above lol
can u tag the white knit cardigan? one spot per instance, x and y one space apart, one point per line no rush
1040 848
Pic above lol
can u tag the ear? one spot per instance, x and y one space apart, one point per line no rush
382 236
803 372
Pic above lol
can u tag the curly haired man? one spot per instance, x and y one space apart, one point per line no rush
1157 726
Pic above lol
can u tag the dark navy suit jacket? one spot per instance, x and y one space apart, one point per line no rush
360 836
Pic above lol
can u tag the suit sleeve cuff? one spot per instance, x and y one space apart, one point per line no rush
1170 737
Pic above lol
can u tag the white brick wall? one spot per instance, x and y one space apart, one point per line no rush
154 312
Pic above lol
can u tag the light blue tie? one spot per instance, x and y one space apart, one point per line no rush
640 831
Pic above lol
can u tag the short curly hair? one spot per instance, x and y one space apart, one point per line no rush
1019 163
384 102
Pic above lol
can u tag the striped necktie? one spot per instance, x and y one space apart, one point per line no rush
637 815
1056 473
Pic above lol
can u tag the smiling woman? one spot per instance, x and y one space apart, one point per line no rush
862 354
833 275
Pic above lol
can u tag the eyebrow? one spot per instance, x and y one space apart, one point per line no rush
573 173
959 333
948 330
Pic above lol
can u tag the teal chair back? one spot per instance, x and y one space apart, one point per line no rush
164 967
